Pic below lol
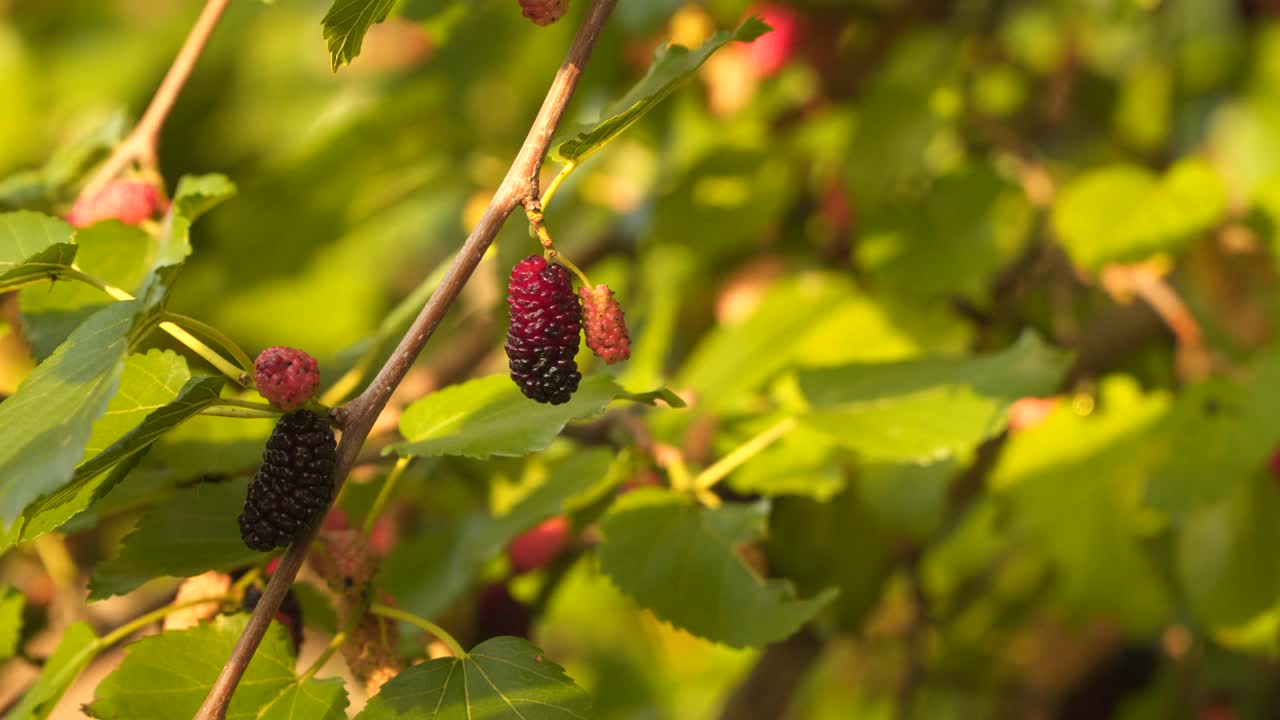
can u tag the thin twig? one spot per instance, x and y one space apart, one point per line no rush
358 416
141 144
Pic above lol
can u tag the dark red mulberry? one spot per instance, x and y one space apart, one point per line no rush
546 324
294 486
606 328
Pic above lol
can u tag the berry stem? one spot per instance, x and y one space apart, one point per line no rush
142 621
240 413
556 182
335 644
204 351
534 213
248 404
141 143
384 494
216 335
176 331
744 452
440 633
357 417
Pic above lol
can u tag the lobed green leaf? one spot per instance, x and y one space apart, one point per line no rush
505 677
680 561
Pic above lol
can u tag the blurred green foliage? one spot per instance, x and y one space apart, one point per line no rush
1011 265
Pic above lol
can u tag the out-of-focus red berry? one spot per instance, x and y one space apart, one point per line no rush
1029 412
770 52
128 201
536 548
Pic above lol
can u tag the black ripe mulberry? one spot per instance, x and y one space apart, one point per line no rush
546 323
294 485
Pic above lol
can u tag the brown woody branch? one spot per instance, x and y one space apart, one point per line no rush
358 416
141 143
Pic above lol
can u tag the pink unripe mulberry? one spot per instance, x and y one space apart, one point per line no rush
544 12
128 201
536 548
286 377
605 326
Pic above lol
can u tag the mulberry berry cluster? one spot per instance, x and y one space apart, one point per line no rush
606 328
294 485
543 337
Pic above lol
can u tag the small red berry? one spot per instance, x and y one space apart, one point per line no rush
605 325
770 52
285 376
1273 464
536 548
544 12
1029 412
336 520
545 330
128 201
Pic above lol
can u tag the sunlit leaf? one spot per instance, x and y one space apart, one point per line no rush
504 677
346 24
47 423
168 675
193 531
671 65
663 551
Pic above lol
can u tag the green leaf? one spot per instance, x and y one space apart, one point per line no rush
76 649
44 265
837 544
193 396
680 561
804 462
346 23
931 409
52 511
505 677
311 700
11 604
733 360
428 573
168 675
652 397
671 65
1226 558
908 499
195 196
968 225
1072 486
47 422
1124 213
191 532
110 251
489 416
155 386
148 382
32 247
24 234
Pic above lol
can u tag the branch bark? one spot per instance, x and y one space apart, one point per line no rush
141 143
358 416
